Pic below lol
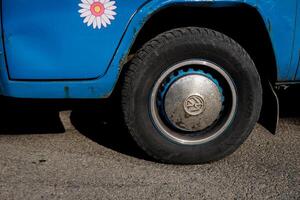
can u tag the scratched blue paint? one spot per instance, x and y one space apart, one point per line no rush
48 41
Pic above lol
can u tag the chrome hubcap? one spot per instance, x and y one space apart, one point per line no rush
193 103
188 104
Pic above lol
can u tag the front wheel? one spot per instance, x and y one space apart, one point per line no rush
191 95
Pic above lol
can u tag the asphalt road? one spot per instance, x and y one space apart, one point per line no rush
88 155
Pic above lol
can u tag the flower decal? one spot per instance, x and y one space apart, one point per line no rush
98 13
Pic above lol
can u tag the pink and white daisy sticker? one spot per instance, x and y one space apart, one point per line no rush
98 13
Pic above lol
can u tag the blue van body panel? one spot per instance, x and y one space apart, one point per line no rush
71 60
296 56
47 39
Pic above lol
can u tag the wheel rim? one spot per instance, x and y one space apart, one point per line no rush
189 105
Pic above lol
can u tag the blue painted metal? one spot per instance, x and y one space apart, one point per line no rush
296 56
48 41
181 73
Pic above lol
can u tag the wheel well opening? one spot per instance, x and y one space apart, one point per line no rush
242 23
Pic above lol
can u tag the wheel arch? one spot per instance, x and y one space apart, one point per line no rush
240 21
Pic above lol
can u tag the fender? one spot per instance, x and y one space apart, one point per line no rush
279 28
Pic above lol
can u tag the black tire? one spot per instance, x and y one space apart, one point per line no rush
156 57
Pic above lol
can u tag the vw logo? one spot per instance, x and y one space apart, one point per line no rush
194 105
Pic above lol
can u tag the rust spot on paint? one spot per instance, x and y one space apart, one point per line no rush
67 92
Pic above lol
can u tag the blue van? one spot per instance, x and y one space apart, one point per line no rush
195 75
